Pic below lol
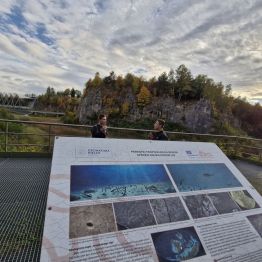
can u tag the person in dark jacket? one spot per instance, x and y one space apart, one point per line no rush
100 130
159 133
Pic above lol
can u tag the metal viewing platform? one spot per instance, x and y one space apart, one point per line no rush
23 194
24 178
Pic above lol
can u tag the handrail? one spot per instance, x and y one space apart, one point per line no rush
128 129
232 145
40 123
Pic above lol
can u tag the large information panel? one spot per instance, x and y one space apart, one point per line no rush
141 200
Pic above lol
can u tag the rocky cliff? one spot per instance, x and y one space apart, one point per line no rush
194 115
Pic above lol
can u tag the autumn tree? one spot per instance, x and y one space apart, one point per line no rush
228 90
129 78
152 86
97 81
172 82
183 81
250 116
162 84
110 80
143 97
198 85
67 92
132 81
72 92
125 108
50 91
120 82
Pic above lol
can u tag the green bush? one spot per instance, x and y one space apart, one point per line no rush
70 118
12 127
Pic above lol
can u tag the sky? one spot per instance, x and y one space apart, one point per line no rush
62 43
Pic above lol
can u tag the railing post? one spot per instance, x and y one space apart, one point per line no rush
49 138
87 131
6 136
236 146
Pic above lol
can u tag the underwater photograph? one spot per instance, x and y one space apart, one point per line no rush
177 245
90 182
193 177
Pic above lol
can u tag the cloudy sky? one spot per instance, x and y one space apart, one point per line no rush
62 43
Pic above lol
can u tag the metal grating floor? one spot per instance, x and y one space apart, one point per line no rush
23 194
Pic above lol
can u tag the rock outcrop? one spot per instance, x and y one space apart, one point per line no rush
196 116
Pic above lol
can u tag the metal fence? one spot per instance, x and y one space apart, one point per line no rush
32 136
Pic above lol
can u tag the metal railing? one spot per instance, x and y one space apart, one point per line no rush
32 136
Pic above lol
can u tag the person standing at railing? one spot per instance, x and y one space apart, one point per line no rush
159 133
100 129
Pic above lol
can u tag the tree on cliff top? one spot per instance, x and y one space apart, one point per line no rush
144 97
183 81
97 82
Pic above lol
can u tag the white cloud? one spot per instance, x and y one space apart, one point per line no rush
220 39
6 5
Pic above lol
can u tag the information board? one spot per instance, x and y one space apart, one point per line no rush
141 200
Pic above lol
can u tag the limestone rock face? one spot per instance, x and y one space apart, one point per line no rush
195 115
198 117
90 104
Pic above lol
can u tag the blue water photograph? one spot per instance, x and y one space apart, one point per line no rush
192 177
177 245
90 182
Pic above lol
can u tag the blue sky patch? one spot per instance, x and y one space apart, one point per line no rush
16 17
41 34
